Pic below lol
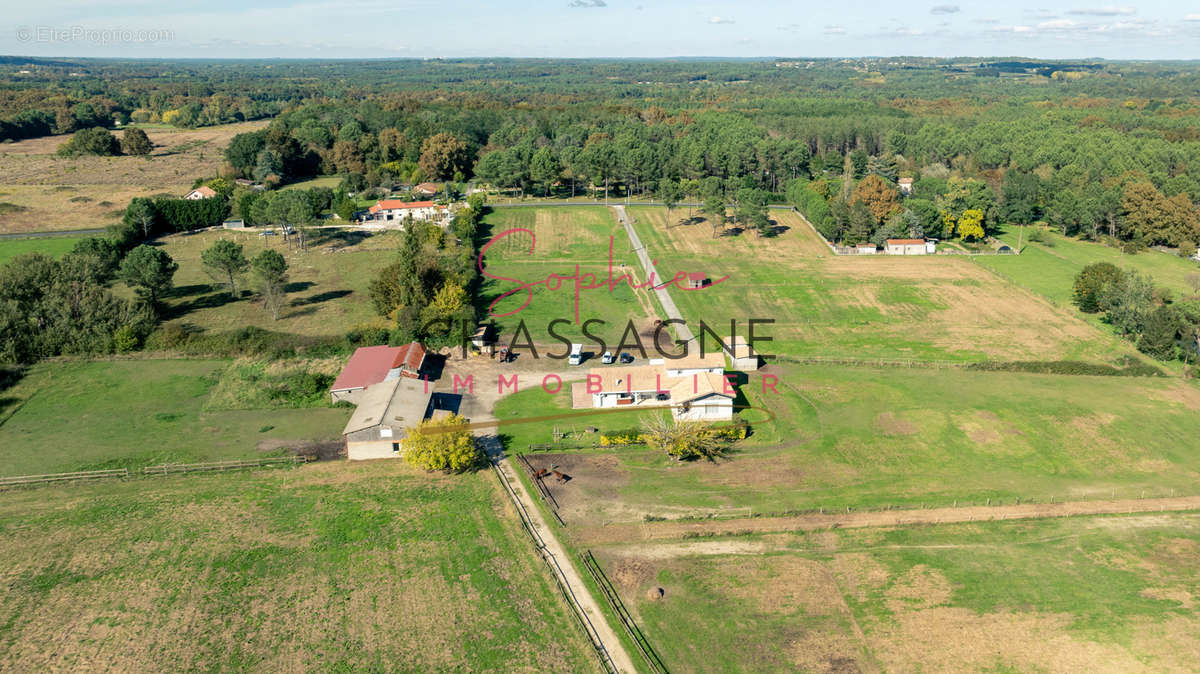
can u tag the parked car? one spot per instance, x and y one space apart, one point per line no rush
607 358
626 358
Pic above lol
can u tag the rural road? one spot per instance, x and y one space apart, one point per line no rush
598 628
682 331
648 531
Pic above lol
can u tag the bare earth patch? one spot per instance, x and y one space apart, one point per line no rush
889 424
957 639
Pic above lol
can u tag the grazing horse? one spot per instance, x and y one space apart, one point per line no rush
541 473
561 477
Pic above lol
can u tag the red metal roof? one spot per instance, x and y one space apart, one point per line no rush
396 203
697 276
906 242
370 364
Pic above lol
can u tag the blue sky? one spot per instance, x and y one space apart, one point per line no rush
1155 29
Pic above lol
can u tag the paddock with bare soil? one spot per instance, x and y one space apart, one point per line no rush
1064 595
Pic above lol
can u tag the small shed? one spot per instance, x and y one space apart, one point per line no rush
741 355
866 248
696 280
234 223
906 185
906 247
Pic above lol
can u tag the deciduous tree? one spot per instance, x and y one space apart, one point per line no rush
445 444
441 155
134 141
880 197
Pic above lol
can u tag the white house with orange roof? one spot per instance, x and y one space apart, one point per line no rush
397 211
694 387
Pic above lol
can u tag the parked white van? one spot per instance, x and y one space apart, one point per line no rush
576 357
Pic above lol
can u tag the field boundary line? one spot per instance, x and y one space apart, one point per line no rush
614 601
604 639
848 518
148 471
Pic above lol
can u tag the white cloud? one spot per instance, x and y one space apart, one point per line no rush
1103 11
587 3
944 9
721 20
834 30
1192 17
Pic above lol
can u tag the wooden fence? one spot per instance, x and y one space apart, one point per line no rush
23 480
162 469
174 468
540 486
556 572
614 601
556 446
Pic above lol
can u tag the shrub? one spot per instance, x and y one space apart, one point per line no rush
97 141
444 444
1069 367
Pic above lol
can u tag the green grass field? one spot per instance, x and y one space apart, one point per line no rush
328 567
1049 268
68 416
564 237
327 293
53 246
865 437
1103 593
927 308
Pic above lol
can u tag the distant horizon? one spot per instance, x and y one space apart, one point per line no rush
590 29
701 58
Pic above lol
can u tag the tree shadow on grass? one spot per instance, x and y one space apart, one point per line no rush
298 286
191 290
320 297
9 376
210 301
341 238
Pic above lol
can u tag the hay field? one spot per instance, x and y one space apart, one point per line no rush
922 308
58 193
326 567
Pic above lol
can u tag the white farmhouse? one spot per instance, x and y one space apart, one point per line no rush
694 388
394 210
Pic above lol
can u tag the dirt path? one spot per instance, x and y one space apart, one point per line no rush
648 531
664 298
598 628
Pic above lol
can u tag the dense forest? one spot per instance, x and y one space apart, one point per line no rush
1108 151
